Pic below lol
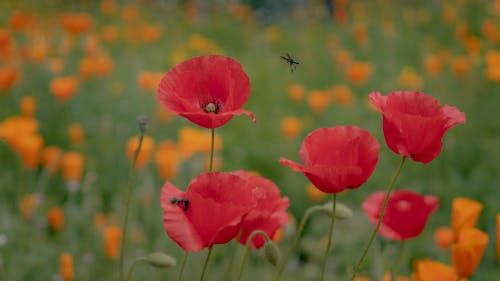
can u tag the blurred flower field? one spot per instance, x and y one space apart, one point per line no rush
75 76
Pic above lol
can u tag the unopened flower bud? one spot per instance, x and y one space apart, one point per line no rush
272 253
342 212
160 260
143 123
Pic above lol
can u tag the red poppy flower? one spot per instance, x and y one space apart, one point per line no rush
270 213
337 158
414 123
207 90
406 213
209 212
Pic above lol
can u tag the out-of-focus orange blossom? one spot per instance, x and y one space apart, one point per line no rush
28 106
76 23
51 157
291 126
144 155
28 203
55 216
112 239
149 80
296 92
167 159
8 76
75 133
314 194
66 266
358 72
318 100
64 87
72 166
342 94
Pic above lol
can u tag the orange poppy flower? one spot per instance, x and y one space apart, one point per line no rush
149 80
465 213
19 21
167 159
112 239
428 270
273 34
109 33
76 23
342 94
460 66
360 34
63 87
145 152
278 235
28 203
296 92
75 133
8 76
489 30
291 126
72 166
130 13
467 253
314 194
473 44
409 78
358 72
343 57
66 266
318 100
30 147
433 65
150 33
444 237
192 141
449 13
108 7
28 106
55 217
51 156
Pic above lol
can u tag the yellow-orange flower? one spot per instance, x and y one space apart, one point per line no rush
360 34
100 220
149 80
343 57
460 66
433 65
112 239
167 159
99 65
8 76
66 266
192 141
75 133
428 270
358 72
19 21
72 166
28 203
51 156
467 253
318 100
473 44
449 13
108 7
493 65
291 126
28 106
55 217
145 152
296 92
15 128
76 23
409 78
342 94
30 148
489 30
63 87
177 57
444 237
278 235
314 194
130 13
109 33
150 33
465 213
273 34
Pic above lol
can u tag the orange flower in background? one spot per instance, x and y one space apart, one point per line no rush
112 239
167 159
63 87
76 23
273 34
28 203
149 80
343 57
30 147
15 128
467 253
296 92
409 78
444 237
150 33
449 14
192 141
8 76
56 65
358 72
51 156
72 166
108 7
19 21
28 106
278 235
492 59
130 13
99 65
66 266
318 100
109 33
428 270
433 65
460 66
100 220
342 94
291 126
465 213
490 30
473 44
360 34
91 44
177 57
75 133
145 152
314 194
55 216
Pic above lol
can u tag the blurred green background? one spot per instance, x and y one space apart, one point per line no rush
447 49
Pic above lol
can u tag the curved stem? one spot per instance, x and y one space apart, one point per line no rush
375 231
247 250
212 149
206 264
397 265
181 271
330 234
229 269
129 196
306 216
131 269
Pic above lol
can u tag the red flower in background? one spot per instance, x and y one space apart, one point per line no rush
270 213
209 212
337 158
207 90
406 213
414 123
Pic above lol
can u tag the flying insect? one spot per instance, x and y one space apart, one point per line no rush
181 202
291 61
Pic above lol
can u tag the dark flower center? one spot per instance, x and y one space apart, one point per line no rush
212 107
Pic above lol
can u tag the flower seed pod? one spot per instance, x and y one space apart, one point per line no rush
272 253
160 260
342 212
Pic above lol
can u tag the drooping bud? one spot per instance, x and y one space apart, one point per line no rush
342 212
272 253
143 123
160 260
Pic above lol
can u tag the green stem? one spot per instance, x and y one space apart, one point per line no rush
206 264
131 269
181 271
306 216
231 260
247 250
375 231
129 196
330 234
397 266
212 149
